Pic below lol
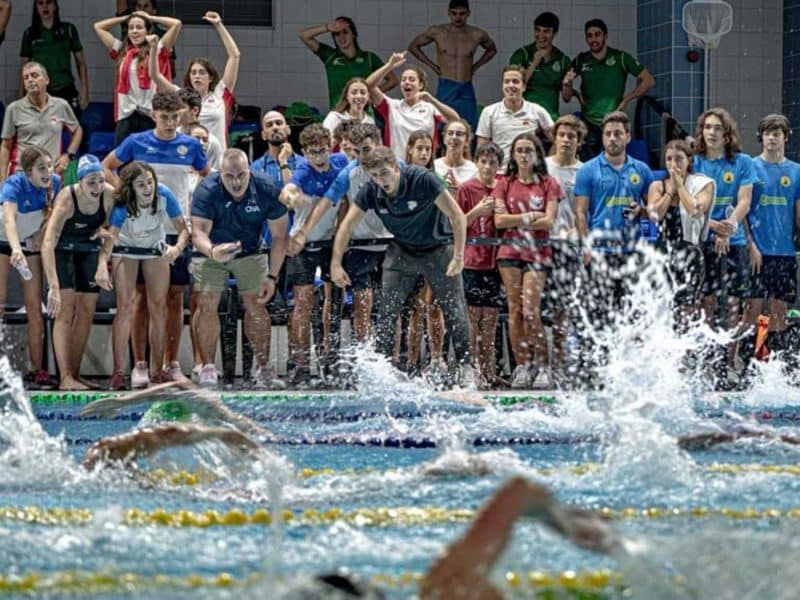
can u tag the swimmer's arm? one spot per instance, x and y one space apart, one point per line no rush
108 407
144 442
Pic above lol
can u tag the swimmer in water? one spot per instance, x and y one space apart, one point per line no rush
463 570
730 432
124 449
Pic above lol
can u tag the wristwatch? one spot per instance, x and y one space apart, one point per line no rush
71 155
272 277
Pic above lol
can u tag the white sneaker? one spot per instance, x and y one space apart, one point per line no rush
140 376
208 376
175 372
195 376
520 379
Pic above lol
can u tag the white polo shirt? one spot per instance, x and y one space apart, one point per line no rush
502 125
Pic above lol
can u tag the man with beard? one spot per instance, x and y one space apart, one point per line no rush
456 43
229 209
609 197
603 72
280 160
37 119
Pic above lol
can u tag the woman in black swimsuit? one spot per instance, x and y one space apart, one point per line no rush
74 269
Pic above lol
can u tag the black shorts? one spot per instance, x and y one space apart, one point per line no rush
686 270
5 250
179 273
561 288
364 268
301 269
76 271
732 268
777 279
483 288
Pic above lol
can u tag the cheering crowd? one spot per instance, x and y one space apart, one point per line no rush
437 217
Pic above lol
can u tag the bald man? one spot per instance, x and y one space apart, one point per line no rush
229 209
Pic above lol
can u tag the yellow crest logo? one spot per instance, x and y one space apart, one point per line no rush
635 179
785 181
727 177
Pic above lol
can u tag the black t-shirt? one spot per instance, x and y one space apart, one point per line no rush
412 215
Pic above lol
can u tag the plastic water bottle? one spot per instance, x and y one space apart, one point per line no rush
24 270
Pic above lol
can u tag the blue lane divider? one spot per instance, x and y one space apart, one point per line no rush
407 442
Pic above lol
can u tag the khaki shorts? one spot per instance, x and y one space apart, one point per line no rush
212 276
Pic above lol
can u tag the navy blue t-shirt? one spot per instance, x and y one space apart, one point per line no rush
240 220
411 215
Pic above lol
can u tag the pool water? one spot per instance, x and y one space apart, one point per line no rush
720 523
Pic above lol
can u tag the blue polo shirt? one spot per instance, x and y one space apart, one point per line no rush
610 192
270 167
237 220
772 212
314 184
729 176
30 200
411 215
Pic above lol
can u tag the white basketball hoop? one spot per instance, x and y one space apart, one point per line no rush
706 21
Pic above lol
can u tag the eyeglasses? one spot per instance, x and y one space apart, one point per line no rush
316 152
452 133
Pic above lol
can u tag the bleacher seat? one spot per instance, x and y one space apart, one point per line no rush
638 150
101 143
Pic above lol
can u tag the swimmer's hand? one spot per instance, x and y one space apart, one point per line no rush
104 408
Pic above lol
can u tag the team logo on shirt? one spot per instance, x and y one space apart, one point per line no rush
55 120
359 60
785 181
536 202
611 61
728 177
182 150
338 62
635 179
556 66
412 204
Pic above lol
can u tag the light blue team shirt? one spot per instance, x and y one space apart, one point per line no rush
146 229
30 200
314 184
729 177
610 192
772 212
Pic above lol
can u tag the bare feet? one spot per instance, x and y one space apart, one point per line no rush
70 384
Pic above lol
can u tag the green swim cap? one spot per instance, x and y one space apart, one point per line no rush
170 410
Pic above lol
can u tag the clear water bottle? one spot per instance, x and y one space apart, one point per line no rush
24 270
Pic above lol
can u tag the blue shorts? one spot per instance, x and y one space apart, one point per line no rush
460 96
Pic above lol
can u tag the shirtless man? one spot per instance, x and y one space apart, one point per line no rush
456 43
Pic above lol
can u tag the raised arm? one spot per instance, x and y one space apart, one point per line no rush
374 79
162 83
103 30
309 35
173 28
415 47
231 71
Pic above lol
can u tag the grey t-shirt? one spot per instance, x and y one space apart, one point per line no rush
33 127
411 215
